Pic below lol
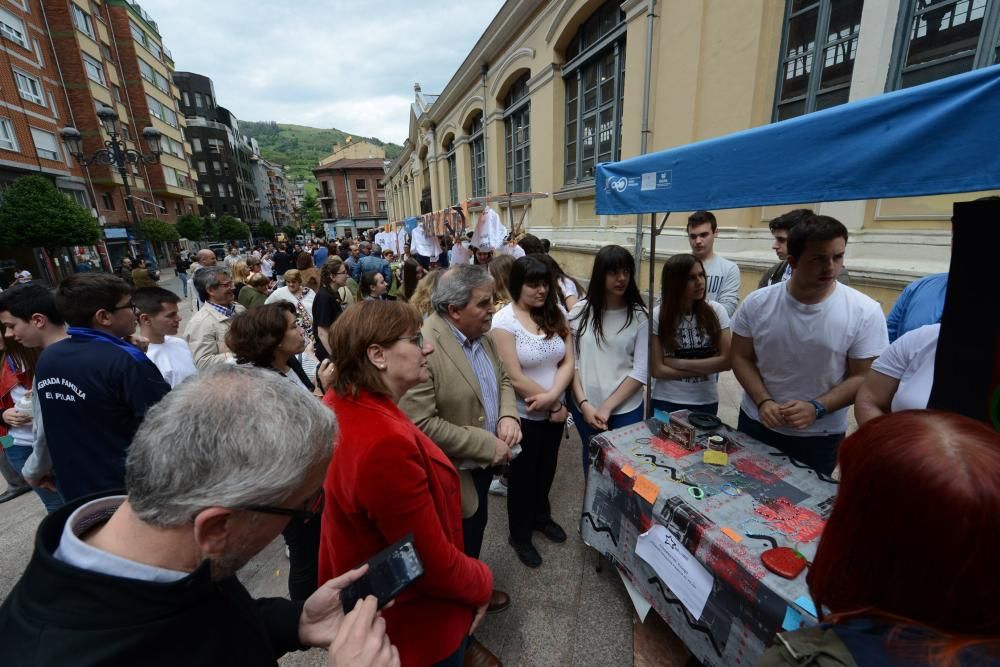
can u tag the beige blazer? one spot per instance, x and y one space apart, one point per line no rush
205 335
448 407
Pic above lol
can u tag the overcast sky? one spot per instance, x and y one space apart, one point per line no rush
323 63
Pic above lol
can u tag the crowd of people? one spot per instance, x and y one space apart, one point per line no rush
346 398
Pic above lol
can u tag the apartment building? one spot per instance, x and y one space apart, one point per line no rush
34 104
273 192
351 192
221 154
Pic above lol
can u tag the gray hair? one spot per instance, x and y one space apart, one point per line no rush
456 285
199 448
376 249
365 245
207 277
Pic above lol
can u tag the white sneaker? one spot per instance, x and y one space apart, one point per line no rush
498 488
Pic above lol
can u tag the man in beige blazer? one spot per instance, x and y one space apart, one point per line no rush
206 332
467 406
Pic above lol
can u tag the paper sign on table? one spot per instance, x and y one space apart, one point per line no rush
646 489
676 567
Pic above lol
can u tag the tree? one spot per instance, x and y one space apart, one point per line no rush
265 229
157 230
190 227
290 231
311 215
210 230
35 214
231 229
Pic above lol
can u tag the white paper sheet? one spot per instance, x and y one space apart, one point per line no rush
676 567
641 606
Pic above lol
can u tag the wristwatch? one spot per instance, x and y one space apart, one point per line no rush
820 409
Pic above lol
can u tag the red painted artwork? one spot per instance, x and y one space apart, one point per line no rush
796 522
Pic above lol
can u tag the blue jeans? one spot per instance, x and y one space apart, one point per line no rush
819 452
183 277
587 432
455 659
17 455
670 406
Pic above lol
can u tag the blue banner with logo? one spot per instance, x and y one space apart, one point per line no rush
937 138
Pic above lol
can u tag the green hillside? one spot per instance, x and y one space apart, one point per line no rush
300 148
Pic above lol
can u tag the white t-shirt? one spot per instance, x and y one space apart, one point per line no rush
910 359
694 344
173 358
539 357
21 435
568 288
604 364
802 349
722 283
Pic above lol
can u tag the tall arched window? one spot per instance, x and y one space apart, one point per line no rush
594 74
477 150
517 110
449 150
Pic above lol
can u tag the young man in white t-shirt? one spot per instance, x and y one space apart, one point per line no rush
801 348
722 276
159 320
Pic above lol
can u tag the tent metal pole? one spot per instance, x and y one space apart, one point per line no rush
647 76
654 231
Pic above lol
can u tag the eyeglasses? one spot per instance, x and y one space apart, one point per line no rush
340 273
311 509
417 340
127 305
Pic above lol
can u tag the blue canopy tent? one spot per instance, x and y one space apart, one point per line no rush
938 138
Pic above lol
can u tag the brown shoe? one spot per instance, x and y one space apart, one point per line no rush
477 655
498 602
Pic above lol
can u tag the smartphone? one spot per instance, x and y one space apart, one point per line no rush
389 572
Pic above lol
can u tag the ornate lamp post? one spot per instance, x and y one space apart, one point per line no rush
116 154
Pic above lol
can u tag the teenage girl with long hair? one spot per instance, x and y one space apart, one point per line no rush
534 342
16 402
610 333
691 340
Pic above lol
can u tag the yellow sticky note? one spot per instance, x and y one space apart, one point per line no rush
628 470
715 458
732 534
646 489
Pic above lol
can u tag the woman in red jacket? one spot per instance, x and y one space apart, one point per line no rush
387 479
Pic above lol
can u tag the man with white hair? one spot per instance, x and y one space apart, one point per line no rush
204 259
149 578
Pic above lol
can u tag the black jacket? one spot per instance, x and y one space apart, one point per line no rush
58 614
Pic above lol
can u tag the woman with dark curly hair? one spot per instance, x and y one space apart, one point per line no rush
269 337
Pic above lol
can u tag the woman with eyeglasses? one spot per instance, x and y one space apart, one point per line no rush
533 339
327 305
387 480
269 337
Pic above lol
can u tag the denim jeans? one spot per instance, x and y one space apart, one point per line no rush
183 277
816 451
587 432
474 527
17 455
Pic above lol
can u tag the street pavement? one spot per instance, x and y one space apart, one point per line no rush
562 613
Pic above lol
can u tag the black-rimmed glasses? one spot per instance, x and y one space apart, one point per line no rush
311 509
127 305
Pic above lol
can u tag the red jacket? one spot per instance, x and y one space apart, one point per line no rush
387 479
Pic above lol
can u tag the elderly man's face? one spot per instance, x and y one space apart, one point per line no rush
476 318
206 258
231 543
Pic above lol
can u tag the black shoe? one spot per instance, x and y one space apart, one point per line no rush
526 553
552 530
14 492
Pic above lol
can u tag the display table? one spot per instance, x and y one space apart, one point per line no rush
725 516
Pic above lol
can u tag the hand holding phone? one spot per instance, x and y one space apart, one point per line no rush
389 572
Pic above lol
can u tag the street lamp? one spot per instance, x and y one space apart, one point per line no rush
116 154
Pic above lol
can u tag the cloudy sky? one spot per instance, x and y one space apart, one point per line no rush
323 63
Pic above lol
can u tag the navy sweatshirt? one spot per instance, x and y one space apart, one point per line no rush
93 396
